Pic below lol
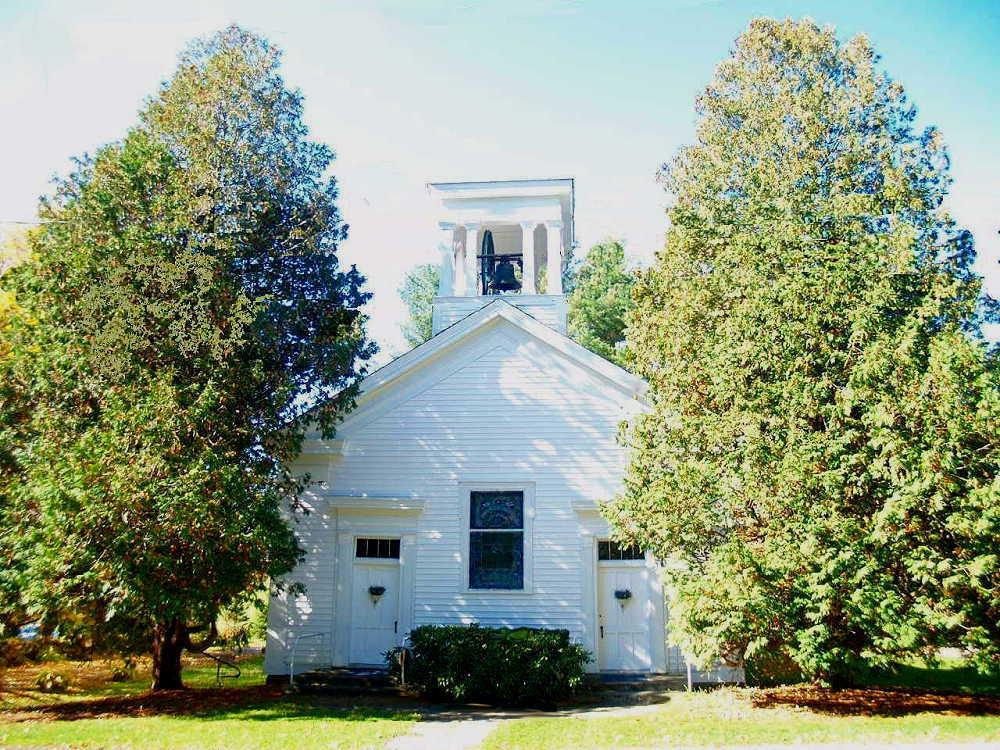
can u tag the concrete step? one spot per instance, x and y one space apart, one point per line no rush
347 680
633 682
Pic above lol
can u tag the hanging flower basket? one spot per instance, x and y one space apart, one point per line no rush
376 590
623 595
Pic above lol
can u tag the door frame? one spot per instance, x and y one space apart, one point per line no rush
375 562
645 595
363 522
654 593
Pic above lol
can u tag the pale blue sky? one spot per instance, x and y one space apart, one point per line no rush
408 92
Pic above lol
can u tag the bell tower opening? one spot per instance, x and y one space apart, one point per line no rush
503 238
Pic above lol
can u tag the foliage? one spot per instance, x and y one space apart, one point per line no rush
526 666
241 625
184 310
51 682
771 668
822 451
14 250
124 672
419 287
600 300
17 651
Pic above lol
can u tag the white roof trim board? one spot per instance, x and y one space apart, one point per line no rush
500 309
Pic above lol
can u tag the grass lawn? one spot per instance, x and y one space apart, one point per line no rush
248 716
279 724
727 717
98 713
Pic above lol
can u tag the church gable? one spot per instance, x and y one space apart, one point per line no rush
497 376
514 358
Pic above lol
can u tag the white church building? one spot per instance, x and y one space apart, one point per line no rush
465 485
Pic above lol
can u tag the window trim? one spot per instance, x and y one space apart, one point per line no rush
465 490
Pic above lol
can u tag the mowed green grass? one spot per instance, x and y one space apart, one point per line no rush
286 722
725 718
277 725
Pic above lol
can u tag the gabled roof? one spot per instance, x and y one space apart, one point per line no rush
382 378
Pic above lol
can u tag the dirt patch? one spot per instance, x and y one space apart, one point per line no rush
165 702
875 701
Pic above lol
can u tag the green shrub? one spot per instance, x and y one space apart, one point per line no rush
526 666
51 682
16 651
125 671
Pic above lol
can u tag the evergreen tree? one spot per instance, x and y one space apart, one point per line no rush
183 310
419 287
822 450
600 299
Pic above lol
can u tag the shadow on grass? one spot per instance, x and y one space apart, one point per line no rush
254 703
951 678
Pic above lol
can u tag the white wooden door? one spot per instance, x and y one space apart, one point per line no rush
623 624
374 619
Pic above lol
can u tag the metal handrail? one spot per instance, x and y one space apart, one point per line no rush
295 645
220 662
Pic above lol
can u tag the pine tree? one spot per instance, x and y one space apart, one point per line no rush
822 450
600 300
185 318
419 287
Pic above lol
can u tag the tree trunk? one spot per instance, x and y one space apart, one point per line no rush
169 640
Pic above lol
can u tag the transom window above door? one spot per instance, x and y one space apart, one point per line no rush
382 549
496 539
608 549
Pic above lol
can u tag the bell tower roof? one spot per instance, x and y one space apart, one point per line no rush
547 199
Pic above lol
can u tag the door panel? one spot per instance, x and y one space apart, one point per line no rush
623 637
375 621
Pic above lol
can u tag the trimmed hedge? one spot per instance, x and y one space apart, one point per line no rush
525 666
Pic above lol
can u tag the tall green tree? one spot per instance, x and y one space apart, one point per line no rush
13 251
419 287
600 299
822 452
185 318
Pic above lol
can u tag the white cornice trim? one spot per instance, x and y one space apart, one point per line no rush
376 504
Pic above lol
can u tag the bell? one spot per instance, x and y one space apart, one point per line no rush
503 277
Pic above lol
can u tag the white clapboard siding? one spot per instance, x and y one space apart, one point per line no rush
289 613
500 405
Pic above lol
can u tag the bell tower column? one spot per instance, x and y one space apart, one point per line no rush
555 252
528 257
446 246
471 262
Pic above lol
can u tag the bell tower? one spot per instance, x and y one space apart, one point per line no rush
503 238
